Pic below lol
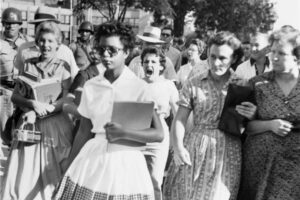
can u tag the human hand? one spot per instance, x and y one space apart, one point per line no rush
281 127
40 108
29 117
113 131
246 109
50 108
181 156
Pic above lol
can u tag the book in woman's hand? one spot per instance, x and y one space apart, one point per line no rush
44 90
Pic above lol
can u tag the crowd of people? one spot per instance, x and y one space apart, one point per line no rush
77 151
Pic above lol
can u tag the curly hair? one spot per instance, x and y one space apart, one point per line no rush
287 35
115 28
199 43
158 52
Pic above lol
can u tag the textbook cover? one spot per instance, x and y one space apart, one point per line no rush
44 90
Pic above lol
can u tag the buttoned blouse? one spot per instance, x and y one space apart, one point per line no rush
202 96
272 103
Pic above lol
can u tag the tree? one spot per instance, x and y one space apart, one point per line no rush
116 9
181 8
238 16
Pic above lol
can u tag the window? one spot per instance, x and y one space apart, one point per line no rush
24 15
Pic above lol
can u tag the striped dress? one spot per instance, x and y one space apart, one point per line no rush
215 156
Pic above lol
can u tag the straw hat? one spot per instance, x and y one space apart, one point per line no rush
151 34
43 14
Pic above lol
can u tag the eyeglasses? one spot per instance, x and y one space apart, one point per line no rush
165 35
111 50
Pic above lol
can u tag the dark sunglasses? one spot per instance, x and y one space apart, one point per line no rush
165 35
112 51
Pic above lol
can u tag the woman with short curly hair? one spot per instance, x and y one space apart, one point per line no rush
103 163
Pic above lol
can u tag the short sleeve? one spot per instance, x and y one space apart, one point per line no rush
186 95
174 93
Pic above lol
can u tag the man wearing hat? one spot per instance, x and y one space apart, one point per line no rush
82 49
151 37
10 41
30 49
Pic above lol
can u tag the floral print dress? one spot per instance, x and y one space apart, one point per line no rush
271 169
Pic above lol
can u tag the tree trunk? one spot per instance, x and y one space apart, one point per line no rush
179 24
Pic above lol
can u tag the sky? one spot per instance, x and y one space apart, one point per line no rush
288 12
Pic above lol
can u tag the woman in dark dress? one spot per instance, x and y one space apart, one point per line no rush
272 149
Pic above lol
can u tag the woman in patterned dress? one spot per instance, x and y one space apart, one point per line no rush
34 170
103 169
207 162
271 154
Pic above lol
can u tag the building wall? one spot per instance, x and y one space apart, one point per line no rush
28 9
69 23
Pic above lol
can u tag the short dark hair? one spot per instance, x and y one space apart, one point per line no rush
158 52
114 28
246 42
228 38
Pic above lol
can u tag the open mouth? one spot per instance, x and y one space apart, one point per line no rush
149 72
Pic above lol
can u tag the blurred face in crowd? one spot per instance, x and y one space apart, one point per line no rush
11 30
48 45
247 50
220 59
282 57
259 46
85 35
166 35
193 52
152 67
111 51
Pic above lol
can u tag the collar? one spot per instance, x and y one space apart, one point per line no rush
37 62
125 74
205 74
233 79
267 62
20 36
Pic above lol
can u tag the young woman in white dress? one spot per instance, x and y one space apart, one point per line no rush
102 169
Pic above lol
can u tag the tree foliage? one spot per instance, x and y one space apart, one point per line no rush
238 16
116 9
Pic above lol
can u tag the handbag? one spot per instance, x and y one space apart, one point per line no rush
24 134
231 122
